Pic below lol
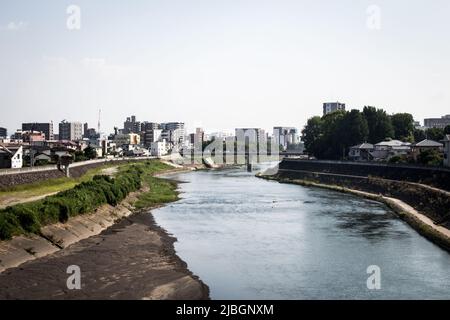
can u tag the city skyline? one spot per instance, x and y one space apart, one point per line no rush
220 66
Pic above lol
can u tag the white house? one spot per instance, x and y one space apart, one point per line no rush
387 149
11 157
361 152
158 148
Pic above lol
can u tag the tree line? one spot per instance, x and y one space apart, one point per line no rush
331 136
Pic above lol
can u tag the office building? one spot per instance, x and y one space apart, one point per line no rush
70 131
329 107
285 136
46 128
441 122
131 125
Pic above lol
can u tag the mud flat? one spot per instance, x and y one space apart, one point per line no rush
134 259
121 253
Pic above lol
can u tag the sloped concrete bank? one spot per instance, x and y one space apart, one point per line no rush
430 222
122 254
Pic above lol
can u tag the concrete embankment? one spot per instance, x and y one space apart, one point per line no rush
58 236
122 254
425 208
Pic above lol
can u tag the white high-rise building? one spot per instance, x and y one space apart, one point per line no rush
71 131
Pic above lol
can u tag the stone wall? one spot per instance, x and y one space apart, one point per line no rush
11 180
21 178
433 176
432 202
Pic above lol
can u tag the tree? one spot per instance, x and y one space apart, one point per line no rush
354 129
379 124
436 134
430 157
403 124
419 135
79 156
311 135
90 153
447 130
330 137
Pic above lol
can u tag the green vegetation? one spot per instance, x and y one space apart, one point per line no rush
379 124
403 124
399 159
48 186
86 197
330 136
430 157
161 191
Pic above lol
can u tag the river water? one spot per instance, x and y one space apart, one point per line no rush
248 238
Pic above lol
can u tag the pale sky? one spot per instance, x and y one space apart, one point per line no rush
220 64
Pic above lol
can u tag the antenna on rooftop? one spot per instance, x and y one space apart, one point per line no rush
99 115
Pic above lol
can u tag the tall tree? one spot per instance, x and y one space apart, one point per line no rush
419 135
436 134
331 143
403 124
311 135
379 124
354 129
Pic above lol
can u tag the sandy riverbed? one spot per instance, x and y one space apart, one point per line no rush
133 259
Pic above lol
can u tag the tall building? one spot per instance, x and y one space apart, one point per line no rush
199 136
90 133
152 135
46 128
174 132
131 125
172 126
71 131
254 135
329 107
85 130
437 122
150 132
3 132
285 136
146 126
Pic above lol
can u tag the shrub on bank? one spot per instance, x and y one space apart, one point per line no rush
85 197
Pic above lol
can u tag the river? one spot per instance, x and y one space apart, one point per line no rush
248 238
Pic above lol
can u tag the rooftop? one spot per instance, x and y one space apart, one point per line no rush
393 143
428 143
363 146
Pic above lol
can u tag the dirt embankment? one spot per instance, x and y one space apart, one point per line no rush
121 255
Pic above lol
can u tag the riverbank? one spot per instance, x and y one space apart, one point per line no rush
103 243
436 233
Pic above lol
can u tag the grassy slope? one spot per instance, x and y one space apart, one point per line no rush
88 195
48 186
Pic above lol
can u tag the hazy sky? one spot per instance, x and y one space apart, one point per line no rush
220 64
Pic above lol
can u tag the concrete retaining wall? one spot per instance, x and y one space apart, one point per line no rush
33 175
433 202
433 176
